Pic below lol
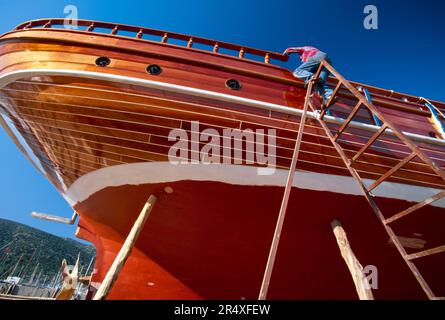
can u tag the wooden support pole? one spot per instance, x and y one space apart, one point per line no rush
125 251
363 290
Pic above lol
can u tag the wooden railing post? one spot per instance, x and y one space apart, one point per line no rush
124 253
91 27
190 43
164 38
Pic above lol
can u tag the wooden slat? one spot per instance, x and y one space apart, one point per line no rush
425 253
391 171
415 207
348 120
374 137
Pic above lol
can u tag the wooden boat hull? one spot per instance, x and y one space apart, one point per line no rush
100 135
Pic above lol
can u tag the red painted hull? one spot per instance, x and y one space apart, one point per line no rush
210 240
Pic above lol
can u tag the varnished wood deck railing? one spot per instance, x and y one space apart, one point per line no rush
139 32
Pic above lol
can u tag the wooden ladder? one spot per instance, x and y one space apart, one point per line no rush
385 126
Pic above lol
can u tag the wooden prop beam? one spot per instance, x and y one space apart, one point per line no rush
47 217
125 251
354 266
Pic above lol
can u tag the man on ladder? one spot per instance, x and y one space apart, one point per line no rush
311 58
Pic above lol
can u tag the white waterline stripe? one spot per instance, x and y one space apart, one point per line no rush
164 172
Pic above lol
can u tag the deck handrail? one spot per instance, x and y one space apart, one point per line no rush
139 32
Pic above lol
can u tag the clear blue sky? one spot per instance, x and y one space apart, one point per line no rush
404 54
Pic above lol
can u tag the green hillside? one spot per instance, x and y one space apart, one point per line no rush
32 246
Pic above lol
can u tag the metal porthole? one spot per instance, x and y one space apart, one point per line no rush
432 134
103 61
154 69
233 84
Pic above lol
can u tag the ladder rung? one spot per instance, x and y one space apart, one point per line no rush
370 142
415 207
348 120
425 253
334 93
391 171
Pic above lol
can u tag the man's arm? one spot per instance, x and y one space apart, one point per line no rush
292 50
